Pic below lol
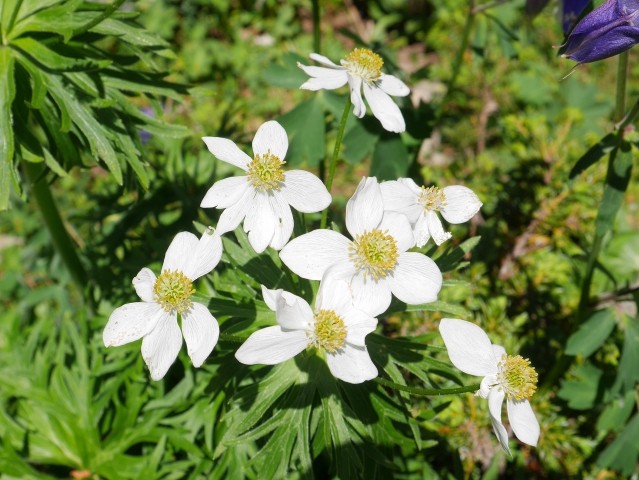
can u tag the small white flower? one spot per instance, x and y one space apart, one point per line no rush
336 327
362 69
155 318
376 263
456 203
264 197
512 377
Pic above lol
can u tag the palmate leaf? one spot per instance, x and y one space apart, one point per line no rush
77 86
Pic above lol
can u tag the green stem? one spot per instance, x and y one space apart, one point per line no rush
622 75
52 219
317 46
100 18
338 144
427 392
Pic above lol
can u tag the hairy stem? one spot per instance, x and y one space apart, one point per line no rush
338 144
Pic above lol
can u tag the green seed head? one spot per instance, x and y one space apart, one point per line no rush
517 377
432 198
330 331
365 64
173 291
374 253
265 172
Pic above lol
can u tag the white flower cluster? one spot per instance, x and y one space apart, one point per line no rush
358 274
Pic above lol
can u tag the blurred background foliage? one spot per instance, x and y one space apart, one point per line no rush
510 123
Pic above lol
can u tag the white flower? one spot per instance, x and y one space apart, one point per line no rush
512 377
361 68
375 264
456 203
155 318
264 197
336 326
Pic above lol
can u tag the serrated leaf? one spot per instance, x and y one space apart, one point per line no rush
129 33
581 392
60 18
49 59
7 94
359 142
592 333
616 413
88 126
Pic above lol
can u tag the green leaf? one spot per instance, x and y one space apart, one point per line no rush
622 453
581 393
593 155
89 126
591 334
129 33
628 375
49 59
7 94
617 180
306 132
61 19
390 159
616 413
450 259
285 73
358 143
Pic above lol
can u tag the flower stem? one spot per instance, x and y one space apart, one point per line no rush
317 45
229 337
338 144
427 392
52 219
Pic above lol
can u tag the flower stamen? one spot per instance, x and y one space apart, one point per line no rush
432 199
173 291
374 253
330 331
517 377
265 171
365 64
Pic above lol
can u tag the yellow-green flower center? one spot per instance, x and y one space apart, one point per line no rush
330 331
365 64
265 171
517 377
432 198
173 291
374 253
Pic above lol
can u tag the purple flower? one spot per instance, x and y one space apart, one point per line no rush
606 31
571 11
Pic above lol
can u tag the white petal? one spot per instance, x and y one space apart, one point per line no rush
271 296
260 222
225 192
399 228
143 283
351 364
461 204
435 227
371 296
384 109
325 61
334 292
160 348
201 332
498 351
359 324
416 279
293 312
206 256
392 86
131 322
355 84
283 221
305 192
227 151
468 346
398 197
486 385
323 78
271 136
364 210
271 346
495 401
523 421
178 255
232 216
421 231
310 255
